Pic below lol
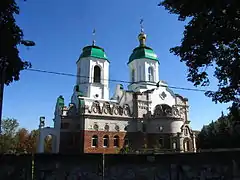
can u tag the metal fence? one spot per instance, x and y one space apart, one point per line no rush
191 166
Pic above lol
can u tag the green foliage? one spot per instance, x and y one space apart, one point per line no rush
7 140
9 127
11 37
222 133
211 38
126 150
19 140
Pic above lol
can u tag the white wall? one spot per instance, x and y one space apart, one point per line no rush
141 73
156 99
86 74
89 124
169 126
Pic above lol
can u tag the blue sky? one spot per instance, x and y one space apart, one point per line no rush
62 28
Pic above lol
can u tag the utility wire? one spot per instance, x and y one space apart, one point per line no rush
110 80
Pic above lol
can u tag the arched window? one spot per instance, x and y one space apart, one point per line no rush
97 74
161 142
105 141
133 75
150 74
94 141
174 145
116 141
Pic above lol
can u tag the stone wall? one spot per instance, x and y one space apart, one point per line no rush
185 166
15 167
57 167
197 166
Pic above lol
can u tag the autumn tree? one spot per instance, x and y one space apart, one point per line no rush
211 38
32 141
21 139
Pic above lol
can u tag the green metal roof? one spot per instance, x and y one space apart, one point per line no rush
60 101
93 51
143 52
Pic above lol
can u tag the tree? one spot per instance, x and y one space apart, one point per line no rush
11 36
32 141
219 134
7 138
22 140
9 127
211 38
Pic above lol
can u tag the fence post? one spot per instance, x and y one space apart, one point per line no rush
103 167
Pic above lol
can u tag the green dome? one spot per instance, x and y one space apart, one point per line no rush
143 52
93 51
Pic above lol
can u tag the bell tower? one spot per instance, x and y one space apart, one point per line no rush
143 65
93 72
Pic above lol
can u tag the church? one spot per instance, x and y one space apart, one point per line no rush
146 117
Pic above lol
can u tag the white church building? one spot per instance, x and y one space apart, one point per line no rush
147 115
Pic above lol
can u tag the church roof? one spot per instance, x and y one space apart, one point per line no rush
143 52
93 51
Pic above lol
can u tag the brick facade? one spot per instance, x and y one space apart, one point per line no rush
100 148
81 142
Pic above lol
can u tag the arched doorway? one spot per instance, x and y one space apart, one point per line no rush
187 145
47 141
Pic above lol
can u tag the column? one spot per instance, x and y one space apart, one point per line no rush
194 142
180 142
40 145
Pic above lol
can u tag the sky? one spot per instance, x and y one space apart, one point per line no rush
62 28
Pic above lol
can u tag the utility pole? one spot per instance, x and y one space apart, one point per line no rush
3 66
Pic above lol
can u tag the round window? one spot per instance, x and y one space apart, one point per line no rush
106 127
117 127
95 126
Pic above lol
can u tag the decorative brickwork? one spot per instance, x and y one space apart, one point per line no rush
100 142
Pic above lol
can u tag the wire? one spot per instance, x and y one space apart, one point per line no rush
110 80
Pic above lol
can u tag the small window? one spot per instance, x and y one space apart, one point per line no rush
97 74
116 141
106 127
94 141
174 145
105 141
133 75
185 131
150 74
161 142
